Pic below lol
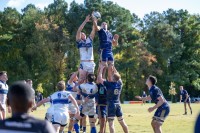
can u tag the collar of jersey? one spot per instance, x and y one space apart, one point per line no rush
90 83
2 82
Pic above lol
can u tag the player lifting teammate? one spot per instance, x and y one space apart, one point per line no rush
114 88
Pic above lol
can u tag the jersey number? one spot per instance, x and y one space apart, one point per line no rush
91 90
116 91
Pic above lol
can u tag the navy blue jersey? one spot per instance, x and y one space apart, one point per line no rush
105 39
113 91
183 93
25 124
101 97
155 93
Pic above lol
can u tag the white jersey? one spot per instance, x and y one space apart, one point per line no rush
86 49
3 92
60 101
89 89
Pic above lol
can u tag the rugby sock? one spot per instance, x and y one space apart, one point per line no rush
81 127
84 129
93 130
76 127
69 132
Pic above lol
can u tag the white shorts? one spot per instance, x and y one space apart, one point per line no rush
48 117
88 66
60 118
89 109
72 109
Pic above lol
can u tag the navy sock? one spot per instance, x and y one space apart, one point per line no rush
93 130
84 129
76 127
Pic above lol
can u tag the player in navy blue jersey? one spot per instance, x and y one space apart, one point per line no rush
197 125
184 97
107 41
162 106
101 105
20 99
114 88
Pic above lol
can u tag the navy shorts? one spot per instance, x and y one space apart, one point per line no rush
114 109
161 114
102 113
106 56
187 101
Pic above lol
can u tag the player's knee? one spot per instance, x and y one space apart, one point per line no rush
110 63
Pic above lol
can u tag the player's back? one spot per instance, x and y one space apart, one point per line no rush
101 97
113 91
25 124
90 89
60 100
86 49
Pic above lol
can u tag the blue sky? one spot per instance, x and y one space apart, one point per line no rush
139 7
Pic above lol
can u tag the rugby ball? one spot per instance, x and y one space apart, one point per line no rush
97 14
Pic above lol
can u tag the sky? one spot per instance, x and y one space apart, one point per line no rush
139 7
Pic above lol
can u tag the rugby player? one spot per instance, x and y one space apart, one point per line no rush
114 88
20 99
162 107
184 97
60 101
3 94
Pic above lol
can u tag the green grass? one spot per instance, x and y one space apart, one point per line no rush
139 120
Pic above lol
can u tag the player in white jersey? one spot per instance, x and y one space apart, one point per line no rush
72 110
88 91
60 101
3 94
85 47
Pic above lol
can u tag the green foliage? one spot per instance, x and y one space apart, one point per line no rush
41 45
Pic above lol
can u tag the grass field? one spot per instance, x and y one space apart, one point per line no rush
139 120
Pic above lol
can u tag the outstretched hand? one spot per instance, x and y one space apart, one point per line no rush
87 19
138 97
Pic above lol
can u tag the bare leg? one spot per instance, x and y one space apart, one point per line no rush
185 108
158 127
153 125
82 76
71 122
111 125
190 107
123 124
57 127
110 70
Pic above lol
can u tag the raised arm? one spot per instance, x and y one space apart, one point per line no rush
92 34
72 77
95 20
100 78
78 34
